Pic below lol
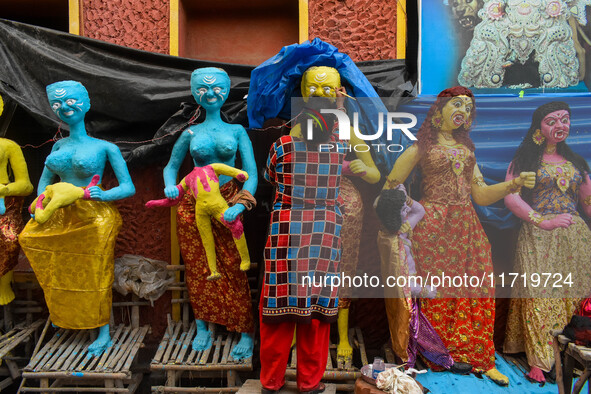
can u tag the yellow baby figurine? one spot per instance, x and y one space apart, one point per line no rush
203 182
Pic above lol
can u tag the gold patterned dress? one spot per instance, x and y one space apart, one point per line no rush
11 224
560 251
450 241
72 255
350 235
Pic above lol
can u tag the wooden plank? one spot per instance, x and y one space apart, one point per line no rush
11 332
390 358
178 345
581 381
136 346
124 352
198 355
59 350
76 364
252 386
185 345
207 367
12 335
361 346
60 336
171 343
162 346
72 390
76 351
17 339
227 347
124 347
217 347
68 351
41 354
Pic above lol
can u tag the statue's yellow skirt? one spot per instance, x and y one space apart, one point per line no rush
72 255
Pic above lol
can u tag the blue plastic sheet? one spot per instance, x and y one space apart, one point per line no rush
277 80
448 383
500 125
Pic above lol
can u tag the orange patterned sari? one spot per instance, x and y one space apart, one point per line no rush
225 301
450 240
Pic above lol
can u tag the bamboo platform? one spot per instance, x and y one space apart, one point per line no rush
176 357
342 373
8 343
63 364
573 355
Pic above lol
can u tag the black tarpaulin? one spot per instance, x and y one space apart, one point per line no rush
134 95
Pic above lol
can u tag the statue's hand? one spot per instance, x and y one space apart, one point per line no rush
96 193
405 228
232 213
358 167
171 192
563 220
2 206
527 179
242 176
340 96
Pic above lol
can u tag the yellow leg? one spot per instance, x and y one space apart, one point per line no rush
293 341
203 223
6 293
239 242
344 349
243 251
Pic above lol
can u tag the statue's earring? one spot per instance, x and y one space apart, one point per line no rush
437 119
538 137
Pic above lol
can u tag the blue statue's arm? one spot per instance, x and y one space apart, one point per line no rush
125 188
248 165
179 151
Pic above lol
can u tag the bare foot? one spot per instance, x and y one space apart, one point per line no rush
536 374
203 339
101 344
245 265
497 377
243 348
214 276
344 350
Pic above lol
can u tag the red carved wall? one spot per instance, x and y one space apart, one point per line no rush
363 29
140 24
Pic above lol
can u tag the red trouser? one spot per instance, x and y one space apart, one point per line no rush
312 341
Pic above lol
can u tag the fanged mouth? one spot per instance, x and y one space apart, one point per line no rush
68 113
560 134
212 100
458 119
467 22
